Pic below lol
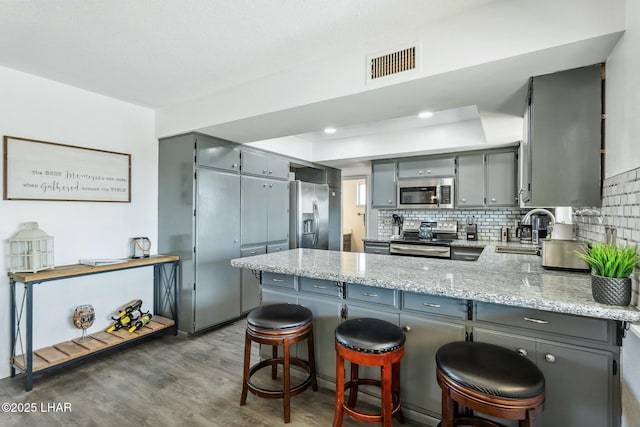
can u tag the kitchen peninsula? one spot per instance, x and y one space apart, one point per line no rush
507 299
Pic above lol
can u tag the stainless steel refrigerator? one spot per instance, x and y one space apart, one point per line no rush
308 215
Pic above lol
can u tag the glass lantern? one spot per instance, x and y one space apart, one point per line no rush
30 250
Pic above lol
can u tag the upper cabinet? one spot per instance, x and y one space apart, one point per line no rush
487 179
470 183
501 179
383 184
264 165
561 150
417 168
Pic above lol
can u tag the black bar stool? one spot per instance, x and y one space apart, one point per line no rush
489 379
279 325
370 342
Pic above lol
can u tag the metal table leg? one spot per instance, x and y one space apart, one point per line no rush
29 344
13 308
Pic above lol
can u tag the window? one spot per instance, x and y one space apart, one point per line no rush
361 194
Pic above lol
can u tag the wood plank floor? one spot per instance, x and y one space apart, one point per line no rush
163 381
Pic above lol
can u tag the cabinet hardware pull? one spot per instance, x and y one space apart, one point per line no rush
464 200
493 199
542 322
278 280
270 172
319 287
235 165
550 358
367 294
253 252
389 201
419 172
430 304
264 171
264 184
522 352
406 328
376 251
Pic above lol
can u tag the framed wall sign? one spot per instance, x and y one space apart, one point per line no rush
40 170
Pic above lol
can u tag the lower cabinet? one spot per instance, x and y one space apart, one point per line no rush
577 355
326 317
579 380
424 336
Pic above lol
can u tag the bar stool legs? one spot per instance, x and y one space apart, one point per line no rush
279 325
369 342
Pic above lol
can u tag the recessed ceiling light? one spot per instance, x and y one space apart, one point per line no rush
330 130
425 114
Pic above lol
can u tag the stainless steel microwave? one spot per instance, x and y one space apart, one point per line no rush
426 193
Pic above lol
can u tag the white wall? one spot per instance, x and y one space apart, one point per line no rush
499 30
36 108
622 139
622 131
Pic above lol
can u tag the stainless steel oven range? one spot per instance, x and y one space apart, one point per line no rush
425 239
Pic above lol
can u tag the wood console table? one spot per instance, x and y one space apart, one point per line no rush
165 315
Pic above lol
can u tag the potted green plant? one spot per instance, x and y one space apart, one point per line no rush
611 268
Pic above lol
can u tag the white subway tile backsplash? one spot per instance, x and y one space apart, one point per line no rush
620 209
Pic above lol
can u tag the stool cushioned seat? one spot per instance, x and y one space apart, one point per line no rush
511 376
369 335
279 316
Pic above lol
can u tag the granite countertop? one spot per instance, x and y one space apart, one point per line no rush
510 279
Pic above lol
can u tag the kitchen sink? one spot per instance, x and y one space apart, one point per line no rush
521 250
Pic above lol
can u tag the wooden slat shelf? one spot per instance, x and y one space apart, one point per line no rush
66 271
57 354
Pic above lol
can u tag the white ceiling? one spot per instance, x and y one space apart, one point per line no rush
164 53
158 53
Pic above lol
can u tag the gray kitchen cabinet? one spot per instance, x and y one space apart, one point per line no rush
487 179
193 181
561 150
501 179
424 336
470 182
575 354
264 165
217 290
381 248
426 167
250 283
384 184
264 211
326 317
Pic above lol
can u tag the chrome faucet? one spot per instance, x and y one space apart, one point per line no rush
526 219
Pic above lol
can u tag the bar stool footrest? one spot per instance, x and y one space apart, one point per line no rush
279 393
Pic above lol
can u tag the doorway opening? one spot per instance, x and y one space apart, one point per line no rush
354 213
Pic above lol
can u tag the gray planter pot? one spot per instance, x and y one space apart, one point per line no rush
612 291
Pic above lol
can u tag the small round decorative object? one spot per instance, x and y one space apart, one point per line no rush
83 317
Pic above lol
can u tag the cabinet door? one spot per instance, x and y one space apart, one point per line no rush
376 248
411 169
250 281
217 293
470 186
419 387
383 184
220 155
326 317
578 388
252 210
254 163
501 179
277 210
440 167
565 138
278 168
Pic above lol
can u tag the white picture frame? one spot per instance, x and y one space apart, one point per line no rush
41 170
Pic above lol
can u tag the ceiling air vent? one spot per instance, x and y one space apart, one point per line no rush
393 63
